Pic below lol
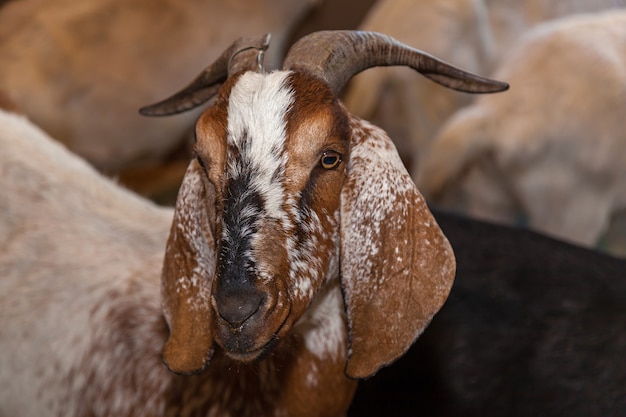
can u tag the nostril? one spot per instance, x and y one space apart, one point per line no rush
239 307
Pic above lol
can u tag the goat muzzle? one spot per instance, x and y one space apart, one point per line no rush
249 318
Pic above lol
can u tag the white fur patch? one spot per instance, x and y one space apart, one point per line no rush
257 110
312 377
323 325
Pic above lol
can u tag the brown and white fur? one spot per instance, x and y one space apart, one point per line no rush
289 236
346 263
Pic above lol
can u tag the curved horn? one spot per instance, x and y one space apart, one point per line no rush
244 54
337 56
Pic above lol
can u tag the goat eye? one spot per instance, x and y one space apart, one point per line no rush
330 159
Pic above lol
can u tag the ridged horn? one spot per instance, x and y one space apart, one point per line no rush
246 53
337 56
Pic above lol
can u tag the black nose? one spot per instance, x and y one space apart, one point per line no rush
236 305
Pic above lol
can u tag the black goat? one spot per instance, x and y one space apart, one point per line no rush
533 327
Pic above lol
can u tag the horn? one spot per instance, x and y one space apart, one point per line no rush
246 53
337 56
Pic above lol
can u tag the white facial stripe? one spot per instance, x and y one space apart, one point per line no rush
257 110
257 125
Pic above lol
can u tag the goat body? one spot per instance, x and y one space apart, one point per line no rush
79 298
533 327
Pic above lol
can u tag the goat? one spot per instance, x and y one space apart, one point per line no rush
410 110
300 257
474 34
554 150
79 295
63 64
533 326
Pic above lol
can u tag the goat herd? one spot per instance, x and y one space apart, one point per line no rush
300 271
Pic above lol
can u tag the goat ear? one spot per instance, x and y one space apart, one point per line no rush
397 267
188 272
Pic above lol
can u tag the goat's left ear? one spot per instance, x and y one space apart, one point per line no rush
397 267
188 273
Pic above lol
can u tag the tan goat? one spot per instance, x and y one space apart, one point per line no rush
80 70
474 34
554 149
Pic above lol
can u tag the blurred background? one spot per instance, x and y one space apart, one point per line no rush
549 154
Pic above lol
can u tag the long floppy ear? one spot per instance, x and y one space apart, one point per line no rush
397 267
188 273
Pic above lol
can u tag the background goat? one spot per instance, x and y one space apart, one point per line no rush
532 327
553 151
474 34
300 255
81 71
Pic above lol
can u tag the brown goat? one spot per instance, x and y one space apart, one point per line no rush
300 258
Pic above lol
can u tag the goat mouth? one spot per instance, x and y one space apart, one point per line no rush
253 355
239 347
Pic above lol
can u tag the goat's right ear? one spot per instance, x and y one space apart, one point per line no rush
188 273
397 267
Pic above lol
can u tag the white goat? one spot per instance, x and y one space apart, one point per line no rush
79 295
554 148
473 34
300 255
81 70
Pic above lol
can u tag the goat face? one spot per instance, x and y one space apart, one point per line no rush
288 193
277 167
284 212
